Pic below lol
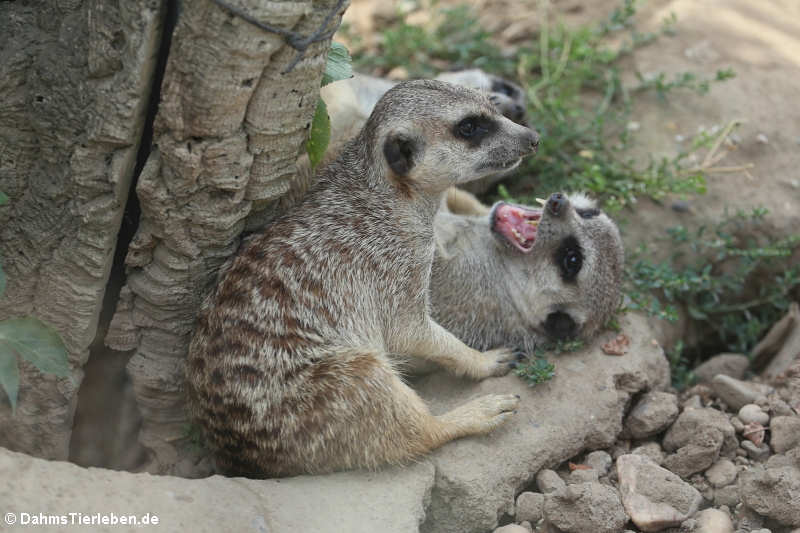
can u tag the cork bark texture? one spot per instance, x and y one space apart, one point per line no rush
227 134
75 76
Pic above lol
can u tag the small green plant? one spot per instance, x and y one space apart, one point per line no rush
29 339
680 367
457 42
733 282
337 67
537 369
577 100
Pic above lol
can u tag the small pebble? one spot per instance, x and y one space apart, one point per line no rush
694 402
756 453
633 126
681 206
600 461
737 424
548 481
679 138
762 138
753 413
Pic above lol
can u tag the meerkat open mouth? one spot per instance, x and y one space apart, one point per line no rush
517 224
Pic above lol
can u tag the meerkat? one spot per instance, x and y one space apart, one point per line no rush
517 275
292 366
349 103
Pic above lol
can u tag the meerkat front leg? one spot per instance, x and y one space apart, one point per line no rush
434 343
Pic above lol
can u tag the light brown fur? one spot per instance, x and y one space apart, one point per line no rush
292 366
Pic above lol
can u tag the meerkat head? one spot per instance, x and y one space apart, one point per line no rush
430 135
574 260
507 96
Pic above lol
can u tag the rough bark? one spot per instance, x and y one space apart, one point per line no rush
74 78
228 132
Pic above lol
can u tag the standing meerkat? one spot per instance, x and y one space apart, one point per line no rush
520 275
290 369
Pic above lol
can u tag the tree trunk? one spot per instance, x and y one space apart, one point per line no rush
75 80
228 132
74 83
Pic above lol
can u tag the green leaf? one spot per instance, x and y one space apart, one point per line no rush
9 374
320 134
339 65
35 342
3 198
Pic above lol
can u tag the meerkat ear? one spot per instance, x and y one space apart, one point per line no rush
399 150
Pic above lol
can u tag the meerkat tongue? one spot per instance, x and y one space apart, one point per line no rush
517 224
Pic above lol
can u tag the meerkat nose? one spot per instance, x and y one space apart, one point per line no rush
556 203
534 140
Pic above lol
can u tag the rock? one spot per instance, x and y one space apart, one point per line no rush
713 521
755 452
693 402
747 519
727 496
773 492
738 393
548 481
654 497
511 528
586 507
728 364
582 475
722 473
753 413
698 454
581 408
785 433
527 525
692 421
600 461
652 450
529 507
652 414
393 499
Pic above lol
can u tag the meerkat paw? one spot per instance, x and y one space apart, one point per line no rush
499 361
483 414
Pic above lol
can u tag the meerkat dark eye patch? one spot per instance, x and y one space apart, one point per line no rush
560 326
500 86
589 212
569 258
474 129
399 151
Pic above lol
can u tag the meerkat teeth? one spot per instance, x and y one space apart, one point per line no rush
533 223
517 235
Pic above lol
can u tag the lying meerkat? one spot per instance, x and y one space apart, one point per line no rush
289 370
351 101
518 275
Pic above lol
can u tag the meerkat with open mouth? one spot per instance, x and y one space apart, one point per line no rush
519 275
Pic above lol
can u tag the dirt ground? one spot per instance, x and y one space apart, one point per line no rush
760 41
